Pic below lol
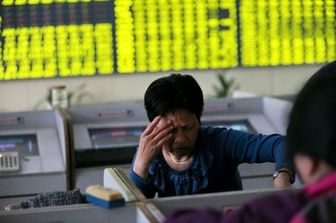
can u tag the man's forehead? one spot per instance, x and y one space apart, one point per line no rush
180 117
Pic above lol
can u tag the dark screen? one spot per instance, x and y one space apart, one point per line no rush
115 137
241 125
26 145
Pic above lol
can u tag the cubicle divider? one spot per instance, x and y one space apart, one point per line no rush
159 208
78 214
222 201
68 141
137 209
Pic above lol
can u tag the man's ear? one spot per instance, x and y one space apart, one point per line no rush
314 166
306 167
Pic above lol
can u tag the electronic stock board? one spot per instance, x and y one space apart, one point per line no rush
70 38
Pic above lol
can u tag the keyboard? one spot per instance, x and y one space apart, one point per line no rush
9 162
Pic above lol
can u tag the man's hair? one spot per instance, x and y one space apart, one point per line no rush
312 122
176 91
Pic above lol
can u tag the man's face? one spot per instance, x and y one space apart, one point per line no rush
185 132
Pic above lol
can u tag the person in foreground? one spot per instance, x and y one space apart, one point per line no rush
176 156
312 140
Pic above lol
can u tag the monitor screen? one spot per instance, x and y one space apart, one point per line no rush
241 125
103 138
26 145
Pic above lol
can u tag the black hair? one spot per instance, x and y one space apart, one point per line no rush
176 91
312 122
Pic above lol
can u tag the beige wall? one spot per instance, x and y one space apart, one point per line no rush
31 94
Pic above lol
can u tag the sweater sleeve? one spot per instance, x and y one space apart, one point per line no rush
146 187
245 147
283 156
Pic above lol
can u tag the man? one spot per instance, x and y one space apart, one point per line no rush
176 156
312 140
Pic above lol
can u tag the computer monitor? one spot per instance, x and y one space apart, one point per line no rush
104 138
239 124
26 145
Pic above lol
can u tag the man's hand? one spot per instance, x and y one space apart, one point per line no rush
157 133
282 180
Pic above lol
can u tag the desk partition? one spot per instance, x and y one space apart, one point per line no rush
139 209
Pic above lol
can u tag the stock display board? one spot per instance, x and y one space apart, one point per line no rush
285 32
69 38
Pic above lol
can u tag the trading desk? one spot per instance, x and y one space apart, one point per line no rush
33 154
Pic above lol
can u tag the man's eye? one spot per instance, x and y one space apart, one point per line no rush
173 131
188 127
